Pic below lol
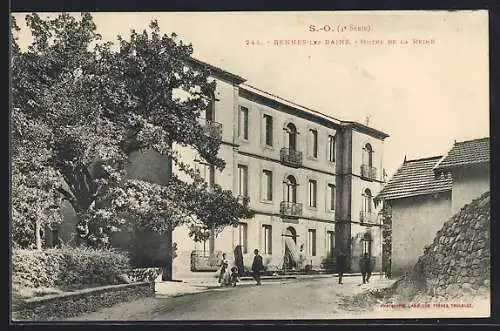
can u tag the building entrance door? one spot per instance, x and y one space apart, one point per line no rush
291 256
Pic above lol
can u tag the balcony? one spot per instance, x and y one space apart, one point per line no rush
291 157
367 217
290 209
368 172
212 129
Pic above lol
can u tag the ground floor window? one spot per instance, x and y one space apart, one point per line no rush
268 239
366 246
243 237
311 242
330 242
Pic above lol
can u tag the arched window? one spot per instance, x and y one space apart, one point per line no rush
368 155
292 136
290 189
367 201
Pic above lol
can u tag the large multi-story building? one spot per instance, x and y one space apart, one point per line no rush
309 178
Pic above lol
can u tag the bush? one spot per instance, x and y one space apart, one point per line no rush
68 267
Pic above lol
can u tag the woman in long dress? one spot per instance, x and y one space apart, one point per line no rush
224 276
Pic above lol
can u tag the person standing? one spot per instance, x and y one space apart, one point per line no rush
340 265
257 266
366 268
223 270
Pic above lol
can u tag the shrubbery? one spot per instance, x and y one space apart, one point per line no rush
68 267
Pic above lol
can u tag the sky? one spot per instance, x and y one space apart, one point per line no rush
424 95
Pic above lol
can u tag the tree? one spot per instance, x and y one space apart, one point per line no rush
99 105
35 202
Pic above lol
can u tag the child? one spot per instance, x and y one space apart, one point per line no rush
223 270
235 277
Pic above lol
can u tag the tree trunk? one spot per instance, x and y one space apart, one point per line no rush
38 238
167 269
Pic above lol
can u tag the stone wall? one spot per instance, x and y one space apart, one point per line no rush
58 307
457 263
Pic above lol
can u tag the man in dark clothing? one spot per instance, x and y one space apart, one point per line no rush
257 266
366 268
340 266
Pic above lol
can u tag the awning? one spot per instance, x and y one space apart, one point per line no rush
292 247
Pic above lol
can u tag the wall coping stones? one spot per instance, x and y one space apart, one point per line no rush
63 305
79 293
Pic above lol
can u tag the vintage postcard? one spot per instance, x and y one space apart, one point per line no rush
272 165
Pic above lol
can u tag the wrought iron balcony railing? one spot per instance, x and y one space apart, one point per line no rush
367 217
368 172
291 157
290 209
212 128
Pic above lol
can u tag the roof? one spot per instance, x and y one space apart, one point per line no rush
257 91
218 72
463 153
366 129
238 80
358 126
413 178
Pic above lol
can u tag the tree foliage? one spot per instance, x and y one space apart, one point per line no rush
91 105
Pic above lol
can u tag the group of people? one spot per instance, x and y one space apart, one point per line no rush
229 277
365 265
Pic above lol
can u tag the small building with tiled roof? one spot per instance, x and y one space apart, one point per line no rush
469 164
419 204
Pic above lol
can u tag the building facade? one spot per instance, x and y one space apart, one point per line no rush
419 205
423 194
469 164
309 178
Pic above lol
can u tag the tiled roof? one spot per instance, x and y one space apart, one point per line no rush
415 177
466 152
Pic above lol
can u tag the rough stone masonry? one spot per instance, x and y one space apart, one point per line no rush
457 263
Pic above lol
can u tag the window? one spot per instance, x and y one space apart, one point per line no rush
366 243
330 242
314 142
268 184
368 155
268 127
292 136
207 171
331 197
268 239
242 180
311 242
210 111
290 189
312 193
367 201
331 148
366 246
243 237
243 123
